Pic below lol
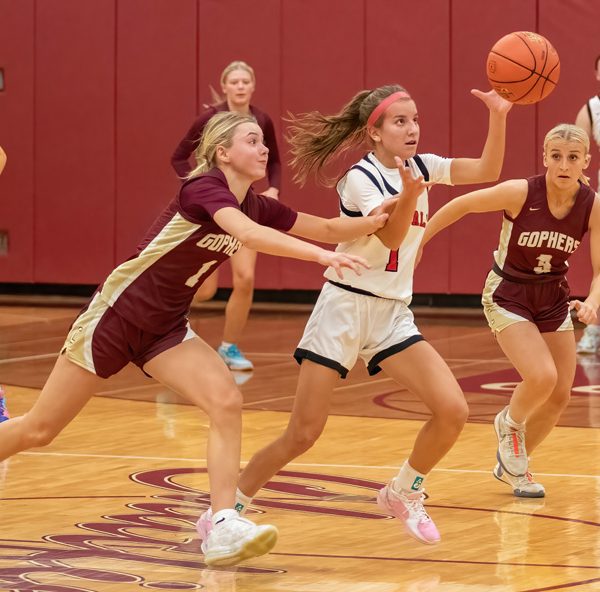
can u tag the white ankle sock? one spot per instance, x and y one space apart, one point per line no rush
408 479
512 423
226 344
242 502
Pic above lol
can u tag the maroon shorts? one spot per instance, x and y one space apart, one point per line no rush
103 342
545 304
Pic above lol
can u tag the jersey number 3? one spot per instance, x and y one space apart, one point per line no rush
544 265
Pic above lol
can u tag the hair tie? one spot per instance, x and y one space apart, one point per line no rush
382 107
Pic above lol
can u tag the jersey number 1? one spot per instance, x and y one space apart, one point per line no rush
392 264
193 279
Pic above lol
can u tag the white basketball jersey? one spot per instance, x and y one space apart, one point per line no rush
363 188
594 111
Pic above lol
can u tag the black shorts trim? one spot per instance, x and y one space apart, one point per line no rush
373 366
305 354
353 289
539 279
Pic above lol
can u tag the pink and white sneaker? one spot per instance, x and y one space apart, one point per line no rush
204 526
408 507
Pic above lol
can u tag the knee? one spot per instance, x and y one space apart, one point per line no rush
225 405
205 292
542 380
559 399
454 413
36 434
299 439
243 281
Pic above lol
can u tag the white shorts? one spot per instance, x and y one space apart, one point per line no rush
345 325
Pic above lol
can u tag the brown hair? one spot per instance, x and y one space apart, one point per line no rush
316 139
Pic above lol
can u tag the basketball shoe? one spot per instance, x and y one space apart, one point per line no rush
234 358
204 526
590 340
523 486
3 410
234 539
511 453
408 507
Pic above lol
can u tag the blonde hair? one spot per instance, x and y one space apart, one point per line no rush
569 133
219 131
235 65
317 139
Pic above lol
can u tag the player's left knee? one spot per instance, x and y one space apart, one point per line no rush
559 399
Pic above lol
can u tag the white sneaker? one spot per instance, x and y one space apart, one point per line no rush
590 340
233 539
523 486
408 507
511 452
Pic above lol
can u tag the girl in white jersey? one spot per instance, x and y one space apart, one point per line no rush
368 317
526 296
588 118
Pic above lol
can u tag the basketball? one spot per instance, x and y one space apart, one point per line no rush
523 67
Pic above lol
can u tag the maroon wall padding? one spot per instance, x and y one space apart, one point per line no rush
576 41
248 31
98 97
155 104
475 28
16 137
418 59
323 67
74 140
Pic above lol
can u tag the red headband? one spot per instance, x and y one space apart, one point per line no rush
382 107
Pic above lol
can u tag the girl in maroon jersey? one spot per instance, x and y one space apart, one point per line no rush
237 84
526 295
139 313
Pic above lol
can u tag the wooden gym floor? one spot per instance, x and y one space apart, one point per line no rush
111 504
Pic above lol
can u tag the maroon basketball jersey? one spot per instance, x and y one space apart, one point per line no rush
154 288
535 246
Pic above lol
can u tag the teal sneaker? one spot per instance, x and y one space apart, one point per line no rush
234 358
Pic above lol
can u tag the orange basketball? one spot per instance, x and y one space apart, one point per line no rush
523 67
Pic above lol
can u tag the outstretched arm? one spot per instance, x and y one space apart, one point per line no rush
271 241
336 230
588 309
488 166
2 159
509 196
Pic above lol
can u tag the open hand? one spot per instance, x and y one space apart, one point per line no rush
586 313
493 101
411 186
340 260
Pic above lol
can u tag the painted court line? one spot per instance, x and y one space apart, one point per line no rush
313 465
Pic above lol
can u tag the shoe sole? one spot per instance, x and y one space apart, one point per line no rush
234 366
518 492
382 505
256 547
